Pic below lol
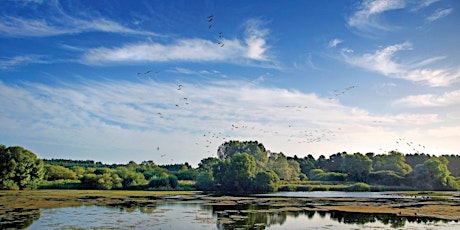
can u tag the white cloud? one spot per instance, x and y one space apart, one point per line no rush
60 24
423 4
439 13
334 42
368 16
382 61
255 40
430 100
122 121
181 50
21 60
253 48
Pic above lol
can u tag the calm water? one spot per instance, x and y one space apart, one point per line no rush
197 215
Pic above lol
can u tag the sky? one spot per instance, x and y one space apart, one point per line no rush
170 81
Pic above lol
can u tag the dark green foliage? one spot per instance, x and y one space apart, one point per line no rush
334 163
320 175
306 164
177 167
394 161
19 168
385 177
207 164
416 159
159 182
266 182
433 174
235 174
173 181
357 166
453 165
205 181
164 182
71 163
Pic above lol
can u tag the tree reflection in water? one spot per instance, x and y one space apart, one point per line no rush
183 215
231 217
18 218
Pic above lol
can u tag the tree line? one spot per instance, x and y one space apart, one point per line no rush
240 167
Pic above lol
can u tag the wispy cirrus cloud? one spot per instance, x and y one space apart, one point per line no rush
430 100
368 15
439 13
253 48
54 21
383 61
423 4
114 118
8 63
22 27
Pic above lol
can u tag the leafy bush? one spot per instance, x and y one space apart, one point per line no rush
265 182
358 187
158 182
205 181
329 176
385 177
57 172
19 168
170 181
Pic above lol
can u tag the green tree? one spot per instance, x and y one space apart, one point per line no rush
205 181
357 166
207 164
253 148
79 171
306 164
334 163
57 172
279 164
241 171
130 178
19 168
394 161
235 174
433 174
266 182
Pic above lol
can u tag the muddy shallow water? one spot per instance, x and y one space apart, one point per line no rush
78 209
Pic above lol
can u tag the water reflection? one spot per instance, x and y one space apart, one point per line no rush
198 215
18 218
265 217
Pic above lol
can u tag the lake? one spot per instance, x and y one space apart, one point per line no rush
198 215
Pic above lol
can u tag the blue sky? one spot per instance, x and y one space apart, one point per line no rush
170 81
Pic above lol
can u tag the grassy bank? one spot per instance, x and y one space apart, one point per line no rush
338 186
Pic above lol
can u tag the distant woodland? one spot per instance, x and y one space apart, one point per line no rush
241 167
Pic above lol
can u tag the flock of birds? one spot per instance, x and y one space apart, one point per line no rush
220 38
297 134
338 93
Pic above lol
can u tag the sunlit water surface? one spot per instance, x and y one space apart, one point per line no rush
196 215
